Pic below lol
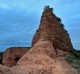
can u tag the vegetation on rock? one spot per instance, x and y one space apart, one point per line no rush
74 59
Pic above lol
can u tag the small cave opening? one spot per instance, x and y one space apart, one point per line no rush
17 59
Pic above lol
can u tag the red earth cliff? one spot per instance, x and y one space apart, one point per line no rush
13 54
53 30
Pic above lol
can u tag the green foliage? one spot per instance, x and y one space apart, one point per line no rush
70 58
59 19
76 53
74 59
76 65
1 56
62 24
46 7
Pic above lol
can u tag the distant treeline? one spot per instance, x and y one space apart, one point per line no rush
1 56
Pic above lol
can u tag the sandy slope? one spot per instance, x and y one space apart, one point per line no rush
42 59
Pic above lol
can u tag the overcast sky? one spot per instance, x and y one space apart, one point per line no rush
19 20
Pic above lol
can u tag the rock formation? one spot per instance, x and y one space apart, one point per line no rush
13 54
50 45
53 30
42 59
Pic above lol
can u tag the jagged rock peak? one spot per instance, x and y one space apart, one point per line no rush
48 10
52 29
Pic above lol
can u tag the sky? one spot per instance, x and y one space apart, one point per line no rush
19 20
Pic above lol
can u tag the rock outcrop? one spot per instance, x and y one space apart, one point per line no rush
42 59
13 54
50 45
53 30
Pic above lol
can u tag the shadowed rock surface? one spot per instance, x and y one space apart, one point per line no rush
50 45
13 54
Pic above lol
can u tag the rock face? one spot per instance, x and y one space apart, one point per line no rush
41 59
13 54
5 70
50 45
53 30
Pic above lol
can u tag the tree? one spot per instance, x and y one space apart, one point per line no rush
46 7
58 19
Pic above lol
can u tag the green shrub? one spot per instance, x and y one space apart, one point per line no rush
76 54
1 56
59 19
46 7
70 58
74 59
76 64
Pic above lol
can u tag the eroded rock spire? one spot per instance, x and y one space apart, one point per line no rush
52 29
